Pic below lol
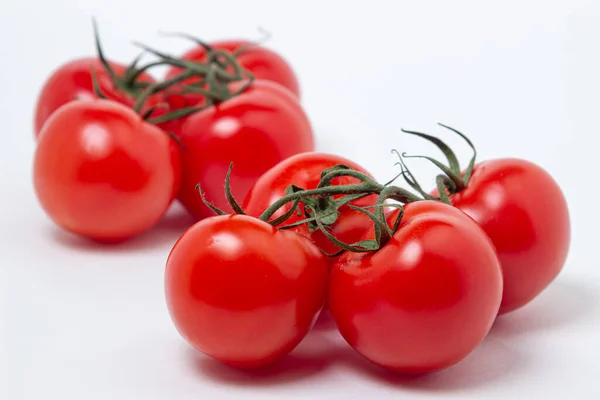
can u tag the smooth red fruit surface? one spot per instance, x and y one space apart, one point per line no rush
255 130
426 299
100 171
243 292
304 170
73 81
263 63
524 212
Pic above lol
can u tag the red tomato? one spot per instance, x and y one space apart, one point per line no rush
304 170
524 212
263 63
100 171
243 292
255 130
426 299
73 81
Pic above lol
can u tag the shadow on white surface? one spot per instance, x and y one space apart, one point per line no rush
563 303
311 357
495 360
492 361
166 232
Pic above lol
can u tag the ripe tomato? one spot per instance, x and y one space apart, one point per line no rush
243 292
524 212
255 130
263 63
73 81
100 171
426 299
304 170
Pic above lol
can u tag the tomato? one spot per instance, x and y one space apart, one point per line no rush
304 170
242 291
426 299
255 130
263 63
522 209
73 81
100 171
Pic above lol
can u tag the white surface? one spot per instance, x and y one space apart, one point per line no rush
520 77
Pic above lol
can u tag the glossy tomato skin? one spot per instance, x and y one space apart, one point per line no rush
255 130
100 171
304 170
522 209
263 63
73 81
243 292
426 299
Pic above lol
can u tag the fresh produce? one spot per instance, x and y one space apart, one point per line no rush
304 171
426 299
100 171
255 130
413 279
233 115
521 208
242 291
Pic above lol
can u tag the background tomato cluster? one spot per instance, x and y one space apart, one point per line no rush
546 111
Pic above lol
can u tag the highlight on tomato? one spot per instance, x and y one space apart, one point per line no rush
102 172
520 207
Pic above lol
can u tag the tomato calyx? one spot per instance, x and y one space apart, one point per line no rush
451 180
320 206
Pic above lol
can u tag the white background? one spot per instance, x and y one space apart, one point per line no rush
79 321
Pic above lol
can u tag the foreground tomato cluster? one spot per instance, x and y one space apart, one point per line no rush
413 278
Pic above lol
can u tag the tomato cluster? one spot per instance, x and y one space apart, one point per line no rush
116 147
413 278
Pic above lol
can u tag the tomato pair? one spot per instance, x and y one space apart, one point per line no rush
245 292
523 211
103 172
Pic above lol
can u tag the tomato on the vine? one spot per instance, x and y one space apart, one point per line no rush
255 130
304 170
263 63
73 81
522 209
243 292
102 172
426 299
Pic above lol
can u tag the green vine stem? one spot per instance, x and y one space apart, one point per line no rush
321 205
213 74
210 78
452 180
